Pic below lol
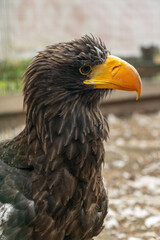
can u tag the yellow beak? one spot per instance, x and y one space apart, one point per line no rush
115 74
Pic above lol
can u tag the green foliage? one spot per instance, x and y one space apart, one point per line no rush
11 74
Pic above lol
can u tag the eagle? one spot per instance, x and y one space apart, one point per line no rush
51 184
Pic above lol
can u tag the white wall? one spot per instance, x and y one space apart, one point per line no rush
26 26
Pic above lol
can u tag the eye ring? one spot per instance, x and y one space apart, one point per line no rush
85 70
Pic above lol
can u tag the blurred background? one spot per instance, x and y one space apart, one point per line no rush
131 30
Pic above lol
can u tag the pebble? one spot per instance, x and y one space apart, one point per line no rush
152 221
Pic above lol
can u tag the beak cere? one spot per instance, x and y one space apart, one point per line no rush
115 73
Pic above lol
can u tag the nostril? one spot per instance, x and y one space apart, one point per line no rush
115 69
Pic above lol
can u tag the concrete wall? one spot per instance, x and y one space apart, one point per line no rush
27 26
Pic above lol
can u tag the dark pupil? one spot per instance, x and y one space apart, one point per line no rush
85 69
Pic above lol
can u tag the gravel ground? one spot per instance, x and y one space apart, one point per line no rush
132 176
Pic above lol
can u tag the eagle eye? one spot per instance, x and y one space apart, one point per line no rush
85 70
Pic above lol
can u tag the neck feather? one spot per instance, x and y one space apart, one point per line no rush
66 128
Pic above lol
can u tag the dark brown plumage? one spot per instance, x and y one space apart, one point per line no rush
51 185
51 172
